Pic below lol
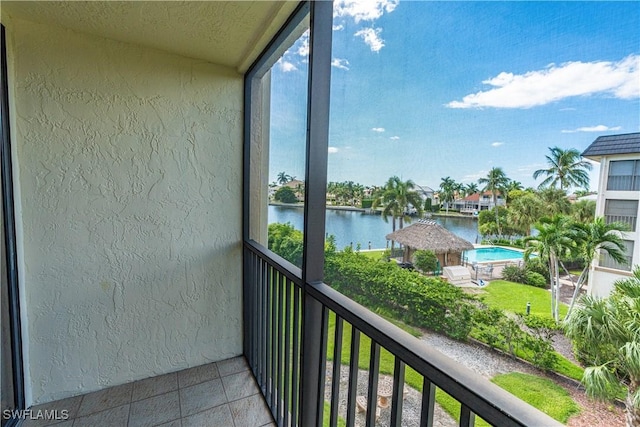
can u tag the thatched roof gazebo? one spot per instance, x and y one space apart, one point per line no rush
429 235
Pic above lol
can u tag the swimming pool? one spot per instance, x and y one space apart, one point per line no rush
493 253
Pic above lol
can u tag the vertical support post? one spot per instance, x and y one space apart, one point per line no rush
315 204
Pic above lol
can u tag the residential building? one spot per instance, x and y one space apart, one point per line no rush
477 202
618 200
135 141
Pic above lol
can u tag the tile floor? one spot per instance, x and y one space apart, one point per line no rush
222 394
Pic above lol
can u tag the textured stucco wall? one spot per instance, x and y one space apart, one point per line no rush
130 184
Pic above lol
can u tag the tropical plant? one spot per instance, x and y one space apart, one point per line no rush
553 240
471 188
395 199
593 237
566 169
283 178
584 210
496 182
447 191
555 201
614 321
425 260
286 241
525 211
285 195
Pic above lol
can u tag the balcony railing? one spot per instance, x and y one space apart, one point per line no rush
630 220
277 314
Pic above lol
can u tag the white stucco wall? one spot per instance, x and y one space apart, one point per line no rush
130 172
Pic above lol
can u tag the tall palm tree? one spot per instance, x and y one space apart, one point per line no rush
447 191
566 169
283 178
591 238
496 181
553 241
395 199
612 323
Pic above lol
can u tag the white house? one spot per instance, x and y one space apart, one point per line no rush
618 200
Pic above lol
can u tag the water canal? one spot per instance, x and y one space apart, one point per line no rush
352 227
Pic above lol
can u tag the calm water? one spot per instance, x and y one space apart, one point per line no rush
355 227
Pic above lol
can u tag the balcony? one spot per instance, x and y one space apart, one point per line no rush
286 335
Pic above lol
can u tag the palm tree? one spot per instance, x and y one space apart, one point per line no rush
553 241
591 238
283 178
566 169
495 182
613 324
525 211
471 188
447 191
395 198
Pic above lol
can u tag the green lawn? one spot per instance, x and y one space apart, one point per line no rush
513 297
373 254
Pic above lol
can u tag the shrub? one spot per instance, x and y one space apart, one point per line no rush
535 279
514 273
425 260
285 195
286 241
538 265
408 295
366 203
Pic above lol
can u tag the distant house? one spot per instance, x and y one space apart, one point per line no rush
618 201
477 202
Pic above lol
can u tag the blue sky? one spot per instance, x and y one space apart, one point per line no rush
425 90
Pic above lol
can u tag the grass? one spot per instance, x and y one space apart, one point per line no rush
542 393
513 297
373 254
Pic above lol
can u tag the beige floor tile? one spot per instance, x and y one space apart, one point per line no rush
105 399
202 396
250 412
238 386
232 366
154 386
155 410
109 418
220 416
198 374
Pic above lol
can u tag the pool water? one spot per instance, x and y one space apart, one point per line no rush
491 254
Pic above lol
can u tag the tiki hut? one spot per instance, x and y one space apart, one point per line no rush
429 235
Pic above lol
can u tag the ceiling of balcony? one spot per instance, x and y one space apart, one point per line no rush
230 33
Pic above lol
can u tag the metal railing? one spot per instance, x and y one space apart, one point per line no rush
630 220
274 323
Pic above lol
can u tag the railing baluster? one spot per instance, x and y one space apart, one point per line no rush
372 398
398 393
260 323
467 418
279 341
295 393
324 338
354 356
335 378
428 403
289 288
269 328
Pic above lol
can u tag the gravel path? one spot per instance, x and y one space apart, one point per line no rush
483 361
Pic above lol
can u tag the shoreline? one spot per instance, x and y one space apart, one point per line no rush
372 211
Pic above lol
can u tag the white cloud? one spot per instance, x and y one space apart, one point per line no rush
338 27
394 138
371 37
534 88
286 66
598 128
342 64
333 150
497 144
363 10
303 48
377 129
